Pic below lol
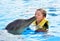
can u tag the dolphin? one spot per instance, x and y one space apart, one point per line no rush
18 26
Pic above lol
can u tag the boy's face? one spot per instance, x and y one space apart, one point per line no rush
39 16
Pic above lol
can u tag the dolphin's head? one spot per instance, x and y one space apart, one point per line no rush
18 26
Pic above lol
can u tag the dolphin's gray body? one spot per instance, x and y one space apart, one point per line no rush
18 26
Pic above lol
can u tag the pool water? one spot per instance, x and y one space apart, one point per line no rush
11 10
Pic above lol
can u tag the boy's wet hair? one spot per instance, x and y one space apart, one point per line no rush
43 11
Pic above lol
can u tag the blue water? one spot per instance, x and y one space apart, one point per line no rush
11 10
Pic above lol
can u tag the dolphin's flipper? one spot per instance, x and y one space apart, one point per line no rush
18 26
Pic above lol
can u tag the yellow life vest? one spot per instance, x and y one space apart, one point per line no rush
43 24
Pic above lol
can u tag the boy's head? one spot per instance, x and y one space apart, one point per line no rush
40 14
